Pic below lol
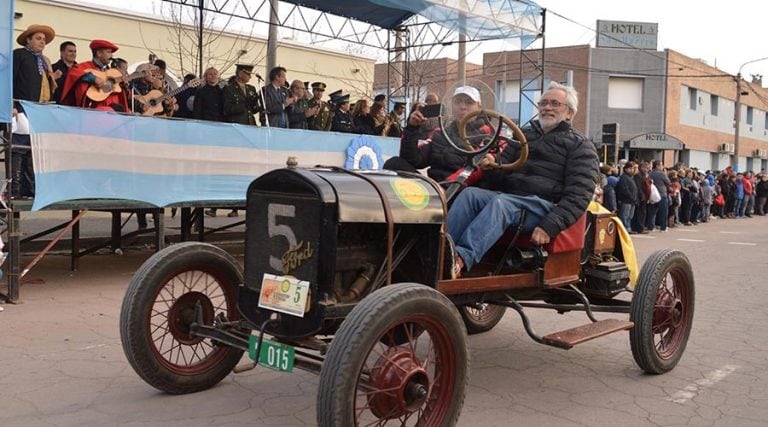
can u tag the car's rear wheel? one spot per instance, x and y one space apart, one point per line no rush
662 310
481 317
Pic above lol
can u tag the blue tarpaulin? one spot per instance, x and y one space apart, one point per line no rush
6 60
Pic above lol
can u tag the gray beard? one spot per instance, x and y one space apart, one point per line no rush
548 126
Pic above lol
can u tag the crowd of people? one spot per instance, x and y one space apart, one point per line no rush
103 82
647 196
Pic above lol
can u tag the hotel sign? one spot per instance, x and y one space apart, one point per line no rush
655 141
627 35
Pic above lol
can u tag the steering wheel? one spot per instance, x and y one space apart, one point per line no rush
469 149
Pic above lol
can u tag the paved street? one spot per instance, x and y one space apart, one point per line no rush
62 363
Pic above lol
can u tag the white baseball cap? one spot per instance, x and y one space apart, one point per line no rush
471 92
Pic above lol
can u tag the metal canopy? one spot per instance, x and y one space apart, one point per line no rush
369 22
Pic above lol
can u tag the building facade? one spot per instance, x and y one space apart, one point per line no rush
139 34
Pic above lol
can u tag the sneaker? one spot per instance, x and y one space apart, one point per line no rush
233 213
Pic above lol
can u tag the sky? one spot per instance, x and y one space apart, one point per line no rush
724 34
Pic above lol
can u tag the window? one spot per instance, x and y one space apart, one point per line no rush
714 103
625 93
750 115
766 120
692 98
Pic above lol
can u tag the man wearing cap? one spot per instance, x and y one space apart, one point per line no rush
553 187
342 120
88 74
241 100
321 120
437 154
32 81
396 118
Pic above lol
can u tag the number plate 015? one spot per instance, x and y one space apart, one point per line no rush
273 355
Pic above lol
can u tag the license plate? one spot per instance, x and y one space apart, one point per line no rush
284 294
273 355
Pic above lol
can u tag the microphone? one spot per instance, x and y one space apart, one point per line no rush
258 76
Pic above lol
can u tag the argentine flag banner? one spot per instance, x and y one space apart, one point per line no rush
88 154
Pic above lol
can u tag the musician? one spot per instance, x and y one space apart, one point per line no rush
209 98
32 81
322 119
186 98
342 120
241 100
277 98
139 88
85 75
68 56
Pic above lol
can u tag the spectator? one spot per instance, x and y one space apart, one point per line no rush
749 196
609 182
209 99
658 213
299 111
626 195
396 117
762 195
364 122
707 193
67 58
277 98
643 183
380 119
738 212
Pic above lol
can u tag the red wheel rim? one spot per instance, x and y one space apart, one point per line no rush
408 377
671 314
172 313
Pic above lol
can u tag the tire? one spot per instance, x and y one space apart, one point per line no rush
168 286
428 372
481 317
662 310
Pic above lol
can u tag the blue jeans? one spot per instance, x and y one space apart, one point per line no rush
626 212
737 208
478 218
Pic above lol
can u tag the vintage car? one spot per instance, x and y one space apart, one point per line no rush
347 274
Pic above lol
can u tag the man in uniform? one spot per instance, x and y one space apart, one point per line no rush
80 79
342 120
321 120
241 100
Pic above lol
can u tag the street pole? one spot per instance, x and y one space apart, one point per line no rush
737 115
737 123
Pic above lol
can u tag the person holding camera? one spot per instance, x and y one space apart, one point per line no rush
435 152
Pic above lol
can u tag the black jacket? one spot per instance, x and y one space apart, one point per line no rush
27 79
562 167
626 190
441 158
209 101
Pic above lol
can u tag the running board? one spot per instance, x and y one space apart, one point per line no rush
570 337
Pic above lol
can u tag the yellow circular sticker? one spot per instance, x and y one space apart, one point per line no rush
412 194
285 286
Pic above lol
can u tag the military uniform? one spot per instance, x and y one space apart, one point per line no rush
321 120
342 120
240 103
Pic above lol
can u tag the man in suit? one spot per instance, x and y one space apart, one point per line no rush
277 98
241 100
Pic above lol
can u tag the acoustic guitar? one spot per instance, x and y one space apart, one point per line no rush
113 77
153 100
